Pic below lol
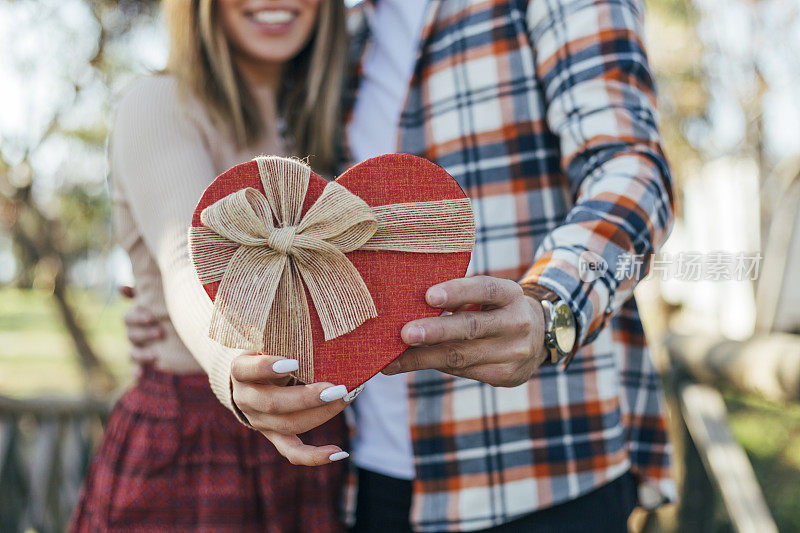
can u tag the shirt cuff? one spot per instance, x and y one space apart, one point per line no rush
584 298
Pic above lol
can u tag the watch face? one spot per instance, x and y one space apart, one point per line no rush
564 328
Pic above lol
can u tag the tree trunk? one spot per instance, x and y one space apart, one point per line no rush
34 250
95 370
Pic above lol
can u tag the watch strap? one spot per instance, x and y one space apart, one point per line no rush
543 293
540 293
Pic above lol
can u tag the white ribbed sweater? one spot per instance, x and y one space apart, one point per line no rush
164 151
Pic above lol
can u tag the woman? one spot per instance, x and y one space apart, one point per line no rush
244 77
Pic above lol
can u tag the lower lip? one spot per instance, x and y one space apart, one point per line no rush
273 29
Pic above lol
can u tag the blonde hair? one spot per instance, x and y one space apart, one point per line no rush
309 99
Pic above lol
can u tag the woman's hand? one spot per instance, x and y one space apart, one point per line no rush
281 412
501 344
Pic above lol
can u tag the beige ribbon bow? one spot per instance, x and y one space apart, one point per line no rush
261 266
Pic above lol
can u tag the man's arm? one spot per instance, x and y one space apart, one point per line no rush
600 101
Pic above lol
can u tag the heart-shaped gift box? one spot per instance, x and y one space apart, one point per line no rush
392 226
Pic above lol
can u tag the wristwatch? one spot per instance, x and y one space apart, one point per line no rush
560 331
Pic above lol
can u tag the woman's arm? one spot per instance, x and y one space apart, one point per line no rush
159 158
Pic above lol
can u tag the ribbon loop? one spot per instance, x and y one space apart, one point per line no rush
263 251
242 217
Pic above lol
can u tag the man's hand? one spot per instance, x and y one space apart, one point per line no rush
280 412
143 330
501 344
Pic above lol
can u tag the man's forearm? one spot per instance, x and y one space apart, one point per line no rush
601 104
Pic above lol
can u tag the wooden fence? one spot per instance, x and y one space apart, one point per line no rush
45 448
712 464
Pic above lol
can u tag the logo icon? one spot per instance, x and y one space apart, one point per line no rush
591 266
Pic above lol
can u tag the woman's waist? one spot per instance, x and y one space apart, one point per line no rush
171 355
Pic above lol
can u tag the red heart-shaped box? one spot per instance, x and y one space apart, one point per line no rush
397 281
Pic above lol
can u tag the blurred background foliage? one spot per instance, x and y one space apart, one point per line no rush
728 74
64 62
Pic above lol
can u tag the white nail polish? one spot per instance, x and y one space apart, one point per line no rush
350 396
338 456
284 366
331 394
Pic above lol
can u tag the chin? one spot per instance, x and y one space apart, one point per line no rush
273 54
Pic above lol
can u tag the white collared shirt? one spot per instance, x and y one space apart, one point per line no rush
383 440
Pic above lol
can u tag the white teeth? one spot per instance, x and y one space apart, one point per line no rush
273 16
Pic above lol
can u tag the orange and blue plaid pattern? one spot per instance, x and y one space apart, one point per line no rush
544 112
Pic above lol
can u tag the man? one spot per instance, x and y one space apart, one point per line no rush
543 111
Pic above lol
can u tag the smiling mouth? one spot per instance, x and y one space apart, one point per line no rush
273 17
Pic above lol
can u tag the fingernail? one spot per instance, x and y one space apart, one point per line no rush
436 296
415 335
337 392
350 396
284 366
338 456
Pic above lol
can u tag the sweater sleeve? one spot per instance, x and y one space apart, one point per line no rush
159 159
600 100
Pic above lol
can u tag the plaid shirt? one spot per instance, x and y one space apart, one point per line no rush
544 112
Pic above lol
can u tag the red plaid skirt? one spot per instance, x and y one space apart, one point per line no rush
174 459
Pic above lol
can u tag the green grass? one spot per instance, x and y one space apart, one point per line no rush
36 354
770 434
